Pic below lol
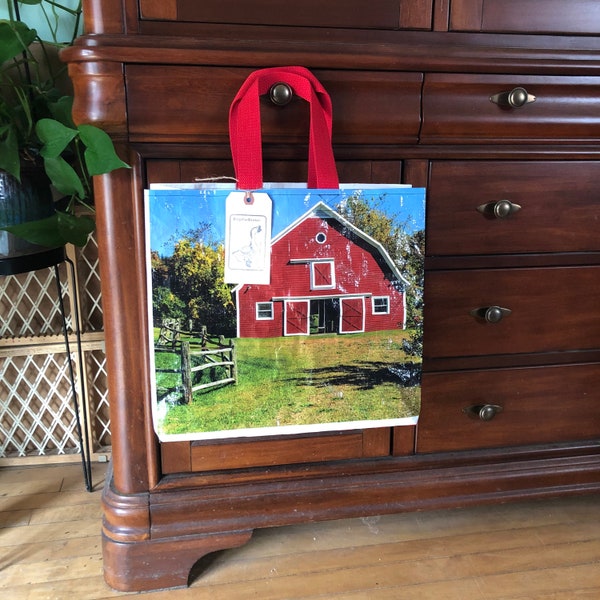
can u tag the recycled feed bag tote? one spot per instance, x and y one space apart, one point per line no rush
284 308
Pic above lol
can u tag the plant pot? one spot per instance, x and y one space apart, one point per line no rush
20 202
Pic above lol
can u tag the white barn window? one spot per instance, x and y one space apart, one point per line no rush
264 311
381 305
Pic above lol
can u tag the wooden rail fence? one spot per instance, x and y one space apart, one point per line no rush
200 353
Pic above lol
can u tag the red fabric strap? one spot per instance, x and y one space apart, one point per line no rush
245 131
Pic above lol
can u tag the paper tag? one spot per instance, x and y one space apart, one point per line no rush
248 237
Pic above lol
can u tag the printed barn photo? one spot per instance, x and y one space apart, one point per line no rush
333 340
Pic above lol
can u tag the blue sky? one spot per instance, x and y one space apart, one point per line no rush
174 212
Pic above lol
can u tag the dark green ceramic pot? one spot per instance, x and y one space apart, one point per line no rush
27 200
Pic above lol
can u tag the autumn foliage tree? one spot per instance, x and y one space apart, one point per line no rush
407 250
193 274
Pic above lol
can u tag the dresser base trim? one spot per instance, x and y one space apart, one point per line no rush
188 524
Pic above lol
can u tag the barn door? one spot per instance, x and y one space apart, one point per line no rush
352 318
297 314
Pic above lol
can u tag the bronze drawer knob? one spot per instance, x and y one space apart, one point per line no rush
500 209
515 98
483 412
281 94
491 314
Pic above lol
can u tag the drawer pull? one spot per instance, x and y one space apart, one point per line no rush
483 412
500 209
516 98
491 314
281 94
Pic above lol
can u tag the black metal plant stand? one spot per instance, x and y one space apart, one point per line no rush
53 258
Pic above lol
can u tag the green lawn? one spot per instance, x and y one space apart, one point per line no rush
301 381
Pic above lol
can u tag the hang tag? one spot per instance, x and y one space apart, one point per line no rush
248 237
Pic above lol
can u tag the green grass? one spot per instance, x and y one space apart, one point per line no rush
301 381
167 381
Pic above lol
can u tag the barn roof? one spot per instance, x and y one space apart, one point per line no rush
321 210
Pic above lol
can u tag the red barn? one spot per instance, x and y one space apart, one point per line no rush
327 276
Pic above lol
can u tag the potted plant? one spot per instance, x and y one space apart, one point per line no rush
39 143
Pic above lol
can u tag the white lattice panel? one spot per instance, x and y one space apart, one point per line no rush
29 304
98 399
36 409
90 297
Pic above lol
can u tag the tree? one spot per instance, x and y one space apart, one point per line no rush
407 250
166 305
160 270
368 216
196 271
412 256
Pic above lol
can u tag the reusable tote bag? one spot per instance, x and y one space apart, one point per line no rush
284 308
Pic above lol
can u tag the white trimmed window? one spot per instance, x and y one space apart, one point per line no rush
381 305
264 311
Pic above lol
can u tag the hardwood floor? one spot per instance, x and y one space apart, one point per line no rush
544 550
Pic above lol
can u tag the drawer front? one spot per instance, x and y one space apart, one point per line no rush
351 171
457 108
204 456
537 405
534 16
355 14
552 310
192 105
506 207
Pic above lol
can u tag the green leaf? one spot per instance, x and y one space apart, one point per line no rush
55 231
15 38
63 177
43 232
100 156
75 230
62 110
55 137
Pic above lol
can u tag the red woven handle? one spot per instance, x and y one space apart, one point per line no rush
245 133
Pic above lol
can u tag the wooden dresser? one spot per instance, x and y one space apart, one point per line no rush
494 107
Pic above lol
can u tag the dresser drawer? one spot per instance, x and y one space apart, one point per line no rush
552 309
506 207
534 16
355 14
536 405
458 108
192 105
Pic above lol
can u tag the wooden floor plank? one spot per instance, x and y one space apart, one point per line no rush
534 583
571 594
59 549
15 518
58 571
87 588
47 532
17 489
29 501
446 590
50 547
69 513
